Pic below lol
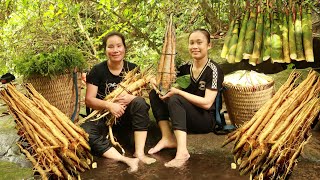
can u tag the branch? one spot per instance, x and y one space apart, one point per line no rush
141 34
136 29
315 10
86 35
210 17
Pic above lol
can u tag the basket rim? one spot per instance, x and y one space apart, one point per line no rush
51 77
248 88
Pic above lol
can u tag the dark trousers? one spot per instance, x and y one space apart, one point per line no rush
183 115
136 118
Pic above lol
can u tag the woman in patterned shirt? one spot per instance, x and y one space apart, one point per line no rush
191 110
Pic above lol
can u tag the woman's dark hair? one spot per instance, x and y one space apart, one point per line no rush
105 39
204 32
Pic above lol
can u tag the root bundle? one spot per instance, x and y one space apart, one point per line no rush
268 145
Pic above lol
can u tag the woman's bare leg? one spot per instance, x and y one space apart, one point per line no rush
140 141
167 140
112 153
182 154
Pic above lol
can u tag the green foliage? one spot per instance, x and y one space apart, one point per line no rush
13 171
3 68
183 81
290 66
62 60
41 26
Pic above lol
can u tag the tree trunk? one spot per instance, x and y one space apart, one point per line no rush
232 9
210 15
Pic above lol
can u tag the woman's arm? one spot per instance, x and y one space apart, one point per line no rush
117 109
125 98
202 102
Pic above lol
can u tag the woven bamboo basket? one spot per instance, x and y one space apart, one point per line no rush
243 102
59 91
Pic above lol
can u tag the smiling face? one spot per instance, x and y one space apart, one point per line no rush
198 45
115 49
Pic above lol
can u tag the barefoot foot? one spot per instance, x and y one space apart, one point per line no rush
145 159
133 164
162 144
177 162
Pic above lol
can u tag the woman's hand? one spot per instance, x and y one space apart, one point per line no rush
117 109
153 83
170 93
125 99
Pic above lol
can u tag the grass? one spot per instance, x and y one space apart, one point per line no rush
281 77
13 171
10 170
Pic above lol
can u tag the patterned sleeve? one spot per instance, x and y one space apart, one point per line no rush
183 69
216 77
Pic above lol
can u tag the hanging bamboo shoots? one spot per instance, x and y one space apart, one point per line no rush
307 34
249 37
257 40
298 35
225 48
240 45
233 43
276 40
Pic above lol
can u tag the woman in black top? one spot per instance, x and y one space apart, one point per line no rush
191 109
128 109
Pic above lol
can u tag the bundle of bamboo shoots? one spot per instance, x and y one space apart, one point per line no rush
133 83
272 29
245 78
55 146
268 145
166 68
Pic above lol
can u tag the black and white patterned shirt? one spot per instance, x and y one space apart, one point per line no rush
211 77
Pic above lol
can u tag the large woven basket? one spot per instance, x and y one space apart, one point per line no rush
243 102
59 91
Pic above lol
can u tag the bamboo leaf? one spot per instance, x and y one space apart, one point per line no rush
183 81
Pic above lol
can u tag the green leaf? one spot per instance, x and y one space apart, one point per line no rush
183 81
290 66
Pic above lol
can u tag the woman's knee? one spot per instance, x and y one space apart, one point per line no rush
139 102
153 94
175 99
139 114
99 144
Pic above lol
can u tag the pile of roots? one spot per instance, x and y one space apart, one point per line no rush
268 145
51 141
